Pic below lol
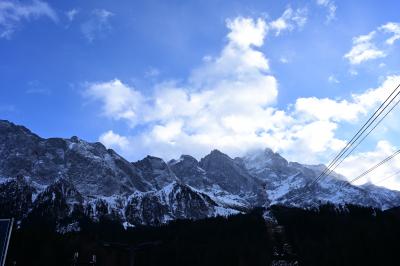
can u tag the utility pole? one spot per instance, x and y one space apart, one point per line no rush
93 260
75 259
6 226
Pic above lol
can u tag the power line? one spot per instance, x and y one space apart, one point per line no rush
387 177
369 132
329 170
376 166
334 163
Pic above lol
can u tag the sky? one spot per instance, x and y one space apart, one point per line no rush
185 77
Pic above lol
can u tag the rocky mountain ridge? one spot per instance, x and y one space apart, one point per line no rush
68 178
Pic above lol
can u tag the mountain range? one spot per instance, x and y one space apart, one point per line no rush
64 179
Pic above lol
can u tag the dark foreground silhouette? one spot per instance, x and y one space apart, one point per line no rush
329 236
342 236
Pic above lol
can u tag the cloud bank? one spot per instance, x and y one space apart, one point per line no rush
289 20
229 102
13 14
368 47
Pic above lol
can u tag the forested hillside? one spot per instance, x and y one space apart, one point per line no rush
349 235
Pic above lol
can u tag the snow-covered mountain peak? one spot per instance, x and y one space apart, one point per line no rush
215 155
259 160
155 171
55 177
184 160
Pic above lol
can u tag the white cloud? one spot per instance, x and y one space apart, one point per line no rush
119 101
13 13
289 20
180 121
168 133
229 103
346 110
353 72
358 163
98 25
331 8
333 79
203 110
327 109
71 14
284 60
364 49
113 140
245 31
368 47
392 28
307 142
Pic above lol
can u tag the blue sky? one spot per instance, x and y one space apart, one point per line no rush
172 77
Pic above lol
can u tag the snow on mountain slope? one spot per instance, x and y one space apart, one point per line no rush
64 179
155 172
286 183
233 178
190 172
90 166
39 172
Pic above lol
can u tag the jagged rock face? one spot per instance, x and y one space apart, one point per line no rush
329 191
90 166
155 171
287 183
17 146
189 172
175 201
15 198
147 210
62 179
187 203
58 201
226 173
62 202
100 208
231 176
266 162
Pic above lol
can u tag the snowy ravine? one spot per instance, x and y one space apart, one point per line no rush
63 179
